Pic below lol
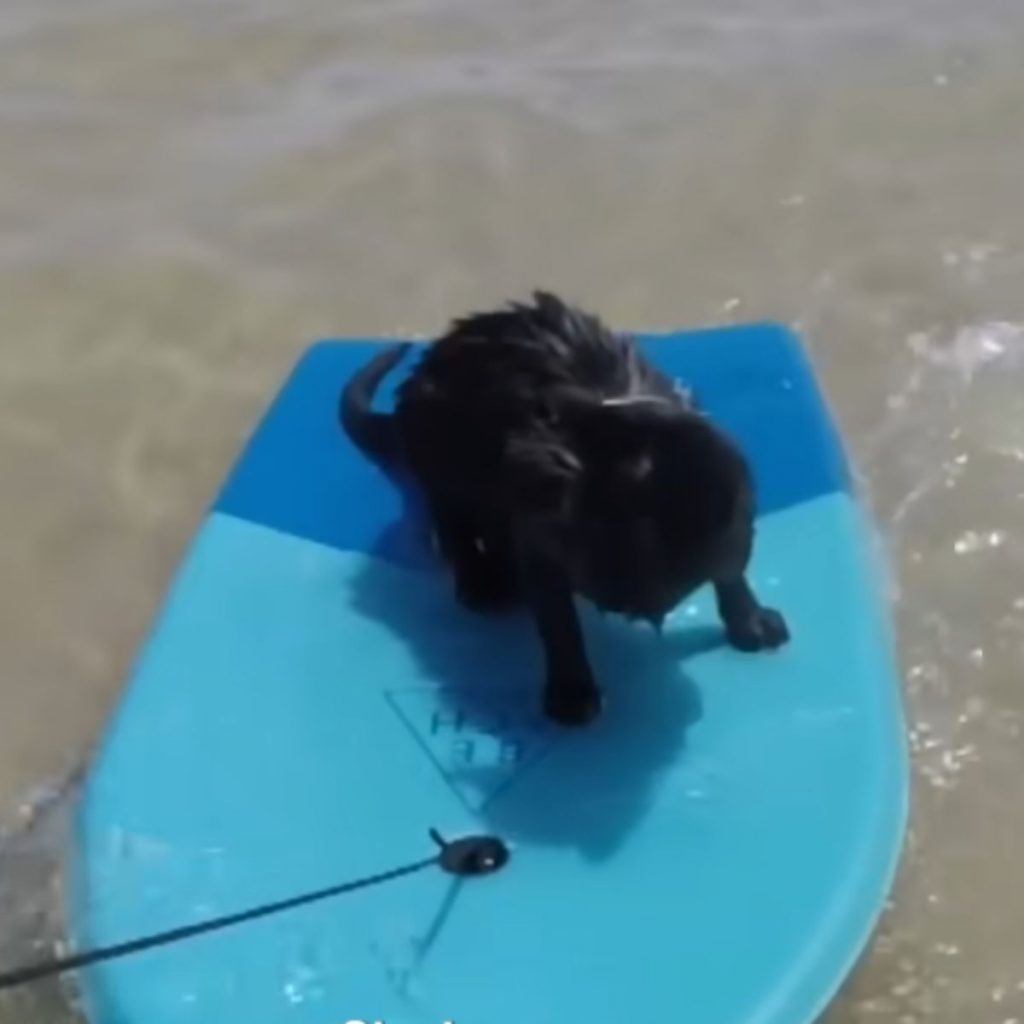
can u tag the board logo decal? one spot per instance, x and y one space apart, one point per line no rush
479 743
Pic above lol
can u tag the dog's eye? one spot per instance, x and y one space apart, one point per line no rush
640 469
633 495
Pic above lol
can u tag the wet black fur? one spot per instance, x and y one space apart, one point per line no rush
556 461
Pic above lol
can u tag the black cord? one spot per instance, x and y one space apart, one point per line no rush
473 855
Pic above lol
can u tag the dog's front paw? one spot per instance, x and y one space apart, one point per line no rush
572 705
761 629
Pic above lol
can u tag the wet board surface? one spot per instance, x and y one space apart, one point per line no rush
715 849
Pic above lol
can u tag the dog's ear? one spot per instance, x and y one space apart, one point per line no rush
540 475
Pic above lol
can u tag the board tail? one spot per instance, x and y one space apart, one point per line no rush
374 433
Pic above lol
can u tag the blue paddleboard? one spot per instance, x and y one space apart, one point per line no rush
715 849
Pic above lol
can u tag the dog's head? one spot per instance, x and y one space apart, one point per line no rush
641 500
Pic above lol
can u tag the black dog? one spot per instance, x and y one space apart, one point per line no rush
554 460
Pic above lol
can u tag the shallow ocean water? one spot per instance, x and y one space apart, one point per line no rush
190 192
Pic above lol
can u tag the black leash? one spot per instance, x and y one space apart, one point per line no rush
471 855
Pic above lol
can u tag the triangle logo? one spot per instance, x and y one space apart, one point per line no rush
478 742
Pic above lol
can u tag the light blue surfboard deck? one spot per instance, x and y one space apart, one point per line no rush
716 849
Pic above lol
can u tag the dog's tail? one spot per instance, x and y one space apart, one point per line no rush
374 433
